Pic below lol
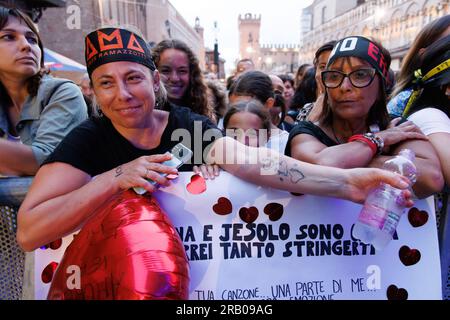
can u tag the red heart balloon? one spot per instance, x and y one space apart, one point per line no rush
417 218
274 211
223 206
128 250
409 256
248 215
197 184
394 293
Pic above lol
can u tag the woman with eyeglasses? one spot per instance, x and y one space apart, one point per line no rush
354 128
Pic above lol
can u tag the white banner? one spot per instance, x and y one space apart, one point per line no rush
248 242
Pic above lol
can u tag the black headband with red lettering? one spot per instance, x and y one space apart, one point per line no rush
114 44
362 48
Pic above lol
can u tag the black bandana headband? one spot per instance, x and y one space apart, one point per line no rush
362 48
113 44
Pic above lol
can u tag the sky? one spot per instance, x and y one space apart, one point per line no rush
280 22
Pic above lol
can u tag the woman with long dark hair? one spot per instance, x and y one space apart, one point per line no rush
429 104
182 77
413 61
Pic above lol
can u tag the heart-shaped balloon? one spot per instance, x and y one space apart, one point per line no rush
395 293
128 250
409 256
248 215
197 185
223 206
417 218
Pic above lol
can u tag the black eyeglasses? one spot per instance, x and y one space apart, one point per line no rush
360 78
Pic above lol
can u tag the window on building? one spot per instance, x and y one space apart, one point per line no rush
324 13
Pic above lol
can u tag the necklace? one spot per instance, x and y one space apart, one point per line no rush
335 136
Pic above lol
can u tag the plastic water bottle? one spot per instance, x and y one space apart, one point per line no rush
384 207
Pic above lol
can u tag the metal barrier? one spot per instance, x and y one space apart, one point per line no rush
12 258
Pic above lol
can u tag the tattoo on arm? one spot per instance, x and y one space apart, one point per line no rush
294 174
276 167
268 164
119 171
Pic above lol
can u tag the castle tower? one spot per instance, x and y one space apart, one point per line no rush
249 30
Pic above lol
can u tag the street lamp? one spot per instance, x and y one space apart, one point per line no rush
216 50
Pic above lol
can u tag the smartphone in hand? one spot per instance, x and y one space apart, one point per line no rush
180 155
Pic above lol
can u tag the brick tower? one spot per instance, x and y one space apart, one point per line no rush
249 30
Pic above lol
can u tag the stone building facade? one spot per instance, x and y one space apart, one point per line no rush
395 23
271 58
63 29
34 8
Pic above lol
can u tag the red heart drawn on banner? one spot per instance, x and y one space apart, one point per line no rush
55 245
248 215
223 206
47 273
417 218
394 293
409 256
274 211
297 194
197 184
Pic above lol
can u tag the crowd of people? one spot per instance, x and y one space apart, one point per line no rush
333 119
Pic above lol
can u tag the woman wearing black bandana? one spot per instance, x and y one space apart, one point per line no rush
127 145
354 129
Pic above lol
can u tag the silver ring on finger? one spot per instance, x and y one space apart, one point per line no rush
146 173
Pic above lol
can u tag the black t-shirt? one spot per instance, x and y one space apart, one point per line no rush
96 146
286 126
307 127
